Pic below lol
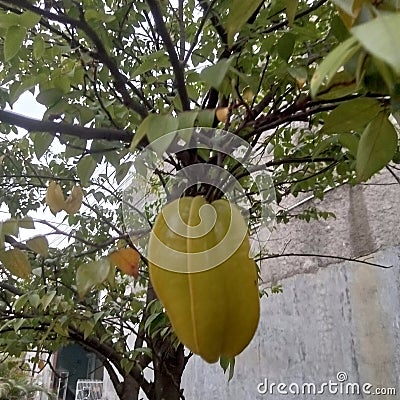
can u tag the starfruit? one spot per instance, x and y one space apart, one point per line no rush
74 200
201 271
54 197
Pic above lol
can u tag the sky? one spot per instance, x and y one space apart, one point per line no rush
28 106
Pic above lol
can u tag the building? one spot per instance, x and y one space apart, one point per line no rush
335 321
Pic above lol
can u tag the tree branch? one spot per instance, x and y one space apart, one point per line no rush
393 174
301 14
102 54
34 125
10 288
182 33
206 13
207 8
324 256
177 65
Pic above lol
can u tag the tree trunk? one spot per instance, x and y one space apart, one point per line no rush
168 369
130 389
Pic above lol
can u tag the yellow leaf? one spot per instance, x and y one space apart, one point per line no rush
300 82
248 94
222 114
348 20
74 200
39 245
127 260
16 261
54 197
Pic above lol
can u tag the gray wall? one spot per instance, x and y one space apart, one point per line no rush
332 316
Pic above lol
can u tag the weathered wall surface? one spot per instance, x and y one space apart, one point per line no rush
332 316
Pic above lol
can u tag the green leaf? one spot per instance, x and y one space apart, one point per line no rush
10 19
88 327
291 8
61 329
47 299
85 169
91 274
352 115
75 147
27 83
98 315
215 74
16 261
156 60
121 171
19 304
338 28
298 73
226 363
341 85
150 320
285 46
205 118
377 146
41 142
10 227
239 13
49 97
140 133
332 62
18 323
155 126
350 142
26 223
38 47
34 299
160 127
187 119
39 245
380 38
127 365
13 40
29 19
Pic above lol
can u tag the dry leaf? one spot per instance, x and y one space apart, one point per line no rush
16 261
222 114
127 260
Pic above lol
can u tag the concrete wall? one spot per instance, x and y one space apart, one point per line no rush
333 316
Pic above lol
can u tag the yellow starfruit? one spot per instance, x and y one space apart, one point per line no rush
54 197
201 271
74 200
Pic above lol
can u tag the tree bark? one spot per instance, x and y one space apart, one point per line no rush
130 389
168 369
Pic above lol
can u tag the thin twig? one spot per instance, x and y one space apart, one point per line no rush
177 66
270 256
